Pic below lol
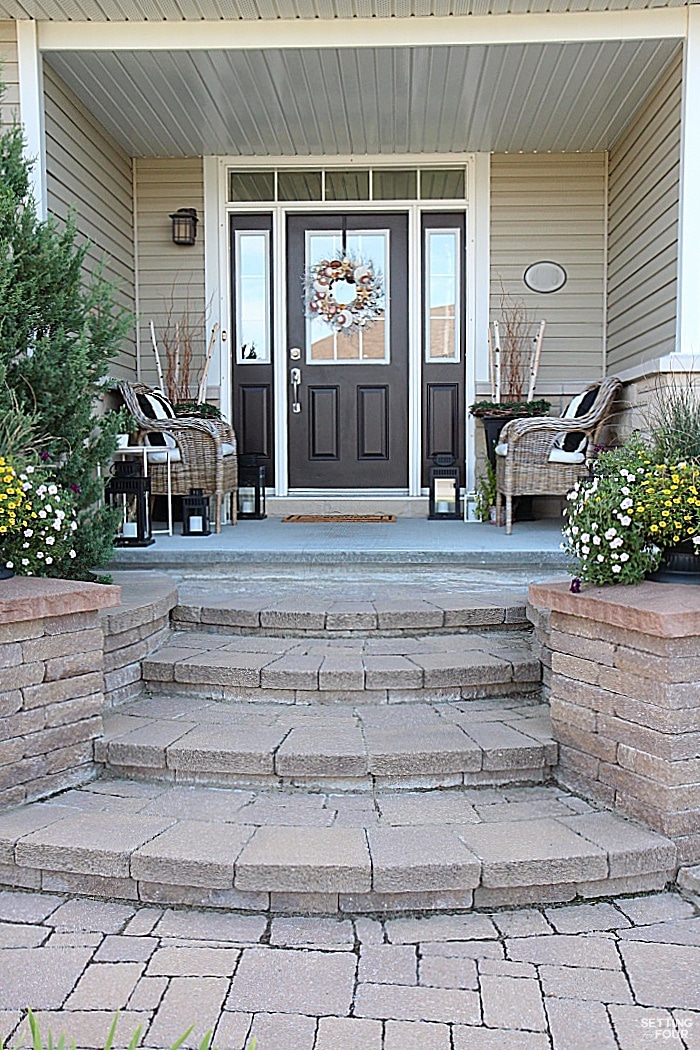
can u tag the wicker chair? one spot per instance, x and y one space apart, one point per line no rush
525 469
202 462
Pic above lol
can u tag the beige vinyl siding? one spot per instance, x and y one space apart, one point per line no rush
9 73
644 179
88 175
171 276
552 206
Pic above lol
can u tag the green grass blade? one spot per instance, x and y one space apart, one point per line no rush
112 1032
135 1039
178 1043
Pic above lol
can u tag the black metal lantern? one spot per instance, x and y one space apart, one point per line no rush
195 514
185 226
129 491
252 478
443 500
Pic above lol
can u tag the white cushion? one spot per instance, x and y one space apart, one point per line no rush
560 455
227 449
164 454
501 449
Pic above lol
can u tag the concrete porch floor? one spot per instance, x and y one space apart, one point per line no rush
407 541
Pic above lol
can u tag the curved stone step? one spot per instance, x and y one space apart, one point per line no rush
323 854
325 747
376 670
371 609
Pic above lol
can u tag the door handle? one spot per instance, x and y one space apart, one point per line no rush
295 377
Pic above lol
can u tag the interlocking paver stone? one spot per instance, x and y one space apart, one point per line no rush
596 951
423 1035
105 986
192 853
190 961
578 1025
663 974
289 981
584 918
327 752
298 932
580 982
443 972
441 928
212 926
305 859
660 907
499 1039
420 858
89 1028
393 1001
98 916
512 1002
40 976
348 1033
27 907
388 964
188 1001
292 1031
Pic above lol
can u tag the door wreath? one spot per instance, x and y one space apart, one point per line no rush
345 292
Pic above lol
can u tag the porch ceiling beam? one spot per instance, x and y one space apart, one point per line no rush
654 24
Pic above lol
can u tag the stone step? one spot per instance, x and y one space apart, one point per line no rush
370 609
326 747
303 853
368 670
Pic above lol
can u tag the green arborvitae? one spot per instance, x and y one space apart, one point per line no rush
59 330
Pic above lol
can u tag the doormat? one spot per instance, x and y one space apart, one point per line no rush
352 518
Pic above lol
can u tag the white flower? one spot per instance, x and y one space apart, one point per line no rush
72 554
624 519
585 550
52 490
28 533
30 470
617 542
624 556
626 504
625 491
50 540
9 565
624 471
601 557
40 554
585 537
49 561
73 526
696 540
610 533
633 477
25 561
617 568
594 526
574 530
25 546
42 513
596 541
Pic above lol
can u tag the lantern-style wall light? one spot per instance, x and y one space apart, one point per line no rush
129 492
252 478
443 499
195 514
185 226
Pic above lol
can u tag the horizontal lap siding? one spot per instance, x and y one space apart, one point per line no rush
552 206
643 230
171 277
9 73
88 175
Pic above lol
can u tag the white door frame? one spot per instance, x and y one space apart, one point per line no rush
476 261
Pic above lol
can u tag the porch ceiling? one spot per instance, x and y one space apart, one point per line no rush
505 98
253 10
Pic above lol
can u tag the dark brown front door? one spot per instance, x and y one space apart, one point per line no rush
348 394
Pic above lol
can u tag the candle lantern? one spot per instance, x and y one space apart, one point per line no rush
252 478
443 500
195 514
129 491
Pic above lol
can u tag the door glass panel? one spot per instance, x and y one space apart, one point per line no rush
299 186
347 185
442 184
252 293
394 185
246 186
442 295
324 345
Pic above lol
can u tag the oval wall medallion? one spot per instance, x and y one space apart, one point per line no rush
545 277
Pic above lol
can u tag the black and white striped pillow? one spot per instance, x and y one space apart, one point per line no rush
155 405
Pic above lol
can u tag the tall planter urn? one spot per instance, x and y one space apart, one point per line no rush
679 564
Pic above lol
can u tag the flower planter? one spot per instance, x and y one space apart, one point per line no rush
680 564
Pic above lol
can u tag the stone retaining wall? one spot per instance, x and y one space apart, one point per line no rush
51 684
134 630
625 700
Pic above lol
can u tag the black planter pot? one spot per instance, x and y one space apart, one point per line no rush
5 573
680 564
493 425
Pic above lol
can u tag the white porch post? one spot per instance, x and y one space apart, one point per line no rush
31 100
688 323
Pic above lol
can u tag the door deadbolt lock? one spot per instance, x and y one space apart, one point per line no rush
295 353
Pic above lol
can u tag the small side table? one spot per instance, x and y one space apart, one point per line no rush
143 450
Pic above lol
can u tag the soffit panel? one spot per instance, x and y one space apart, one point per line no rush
255 10
298 103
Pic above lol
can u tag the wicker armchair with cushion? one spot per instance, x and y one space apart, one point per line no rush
546 456
202 452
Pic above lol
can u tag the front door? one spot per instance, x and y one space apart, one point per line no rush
348 386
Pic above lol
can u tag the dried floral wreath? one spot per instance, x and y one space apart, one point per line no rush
345 292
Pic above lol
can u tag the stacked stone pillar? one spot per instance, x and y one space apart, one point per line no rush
625 700
51 684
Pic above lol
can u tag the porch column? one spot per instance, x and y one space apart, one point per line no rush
31 100
688 323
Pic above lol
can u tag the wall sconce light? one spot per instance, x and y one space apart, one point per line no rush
185 226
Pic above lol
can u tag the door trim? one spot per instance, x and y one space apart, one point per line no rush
476 261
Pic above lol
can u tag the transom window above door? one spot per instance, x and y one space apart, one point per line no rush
296 185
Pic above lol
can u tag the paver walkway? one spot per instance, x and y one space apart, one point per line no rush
622 974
